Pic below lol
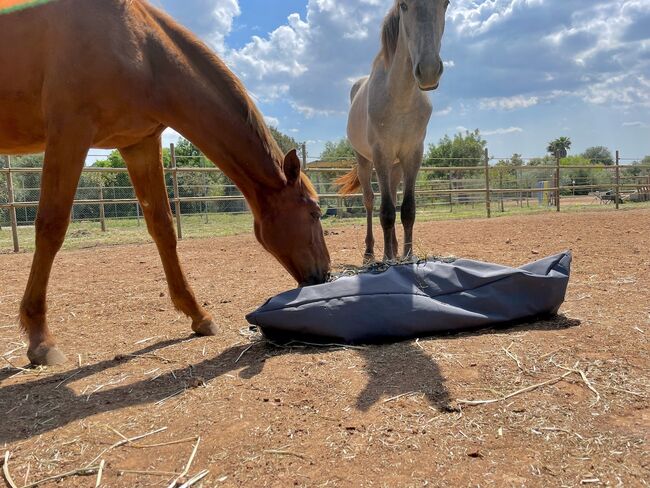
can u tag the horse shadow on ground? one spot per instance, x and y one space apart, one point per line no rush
45 404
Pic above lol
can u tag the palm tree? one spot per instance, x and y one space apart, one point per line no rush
559 147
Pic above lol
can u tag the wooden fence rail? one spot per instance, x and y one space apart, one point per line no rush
483 173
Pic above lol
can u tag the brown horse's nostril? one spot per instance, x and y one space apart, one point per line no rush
442 67
418 71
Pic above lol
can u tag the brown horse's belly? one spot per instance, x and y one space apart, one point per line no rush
20 136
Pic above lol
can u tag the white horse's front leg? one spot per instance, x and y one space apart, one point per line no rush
387 213
365 178
395 180
411 166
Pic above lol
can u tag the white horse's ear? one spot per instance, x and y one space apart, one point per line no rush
292 167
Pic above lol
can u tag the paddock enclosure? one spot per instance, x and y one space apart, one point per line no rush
205 202
566 400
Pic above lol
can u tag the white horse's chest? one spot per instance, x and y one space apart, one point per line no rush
393 122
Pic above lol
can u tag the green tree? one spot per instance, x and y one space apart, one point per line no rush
599 155
545 161
340 150
202 184
27 186
506 174
581 177
286 143
113 160
559 147
637 169
466 149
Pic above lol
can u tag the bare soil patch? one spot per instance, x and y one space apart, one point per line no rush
372 416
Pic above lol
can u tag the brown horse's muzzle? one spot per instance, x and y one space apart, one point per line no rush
316 279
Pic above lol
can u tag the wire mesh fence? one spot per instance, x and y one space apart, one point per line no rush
200 194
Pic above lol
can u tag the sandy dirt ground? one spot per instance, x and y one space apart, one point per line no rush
303 416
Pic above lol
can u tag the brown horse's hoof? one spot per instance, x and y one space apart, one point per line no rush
205 328
44 355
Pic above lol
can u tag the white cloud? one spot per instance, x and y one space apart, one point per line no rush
312 62
169 136
272 121
638 124
223 14
505 54
508 103
445 111
624 90
499 132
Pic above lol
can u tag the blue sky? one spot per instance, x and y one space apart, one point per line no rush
522 71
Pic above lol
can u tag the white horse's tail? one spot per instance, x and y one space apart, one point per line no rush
349 183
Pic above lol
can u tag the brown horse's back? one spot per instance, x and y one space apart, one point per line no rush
72 57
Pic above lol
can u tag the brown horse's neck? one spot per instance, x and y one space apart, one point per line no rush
203 100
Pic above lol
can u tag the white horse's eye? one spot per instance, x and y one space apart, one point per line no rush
403 6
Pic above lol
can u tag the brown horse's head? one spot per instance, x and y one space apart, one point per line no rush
290 228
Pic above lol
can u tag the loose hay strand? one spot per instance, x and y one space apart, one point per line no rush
195 479
147 473
6 473
281 452
583 375
126 441
162 444
188 465
515 393
88 471
100 472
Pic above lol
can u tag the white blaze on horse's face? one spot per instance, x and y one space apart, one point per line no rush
423 22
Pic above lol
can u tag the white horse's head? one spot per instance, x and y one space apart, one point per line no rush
422 23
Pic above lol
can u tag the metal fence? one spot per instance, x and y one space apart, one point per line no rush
105 193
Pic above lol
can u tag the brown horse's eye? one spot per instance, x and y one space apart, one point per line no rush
316 215
403 6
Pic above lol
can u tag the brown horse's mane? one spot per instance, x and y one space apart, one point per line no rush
390 34
253 117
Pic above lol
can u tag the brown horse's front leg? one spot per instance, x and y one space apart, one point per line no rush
144 162
65 154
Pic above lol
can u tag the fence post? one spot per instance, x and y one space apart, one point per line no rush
618 179
177 203
487 183
12 206
451 196
304 156
102 213
557 181
501 190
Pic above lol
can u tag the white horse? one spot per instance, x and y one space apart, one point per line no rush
389 115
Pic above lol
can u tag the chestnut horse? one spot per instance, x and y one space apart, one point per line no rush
81 74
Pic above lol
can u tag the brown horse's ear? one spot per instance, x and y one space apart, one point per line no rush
292 167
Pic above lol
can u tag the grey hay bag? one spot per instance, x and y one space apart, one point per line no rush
415 300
